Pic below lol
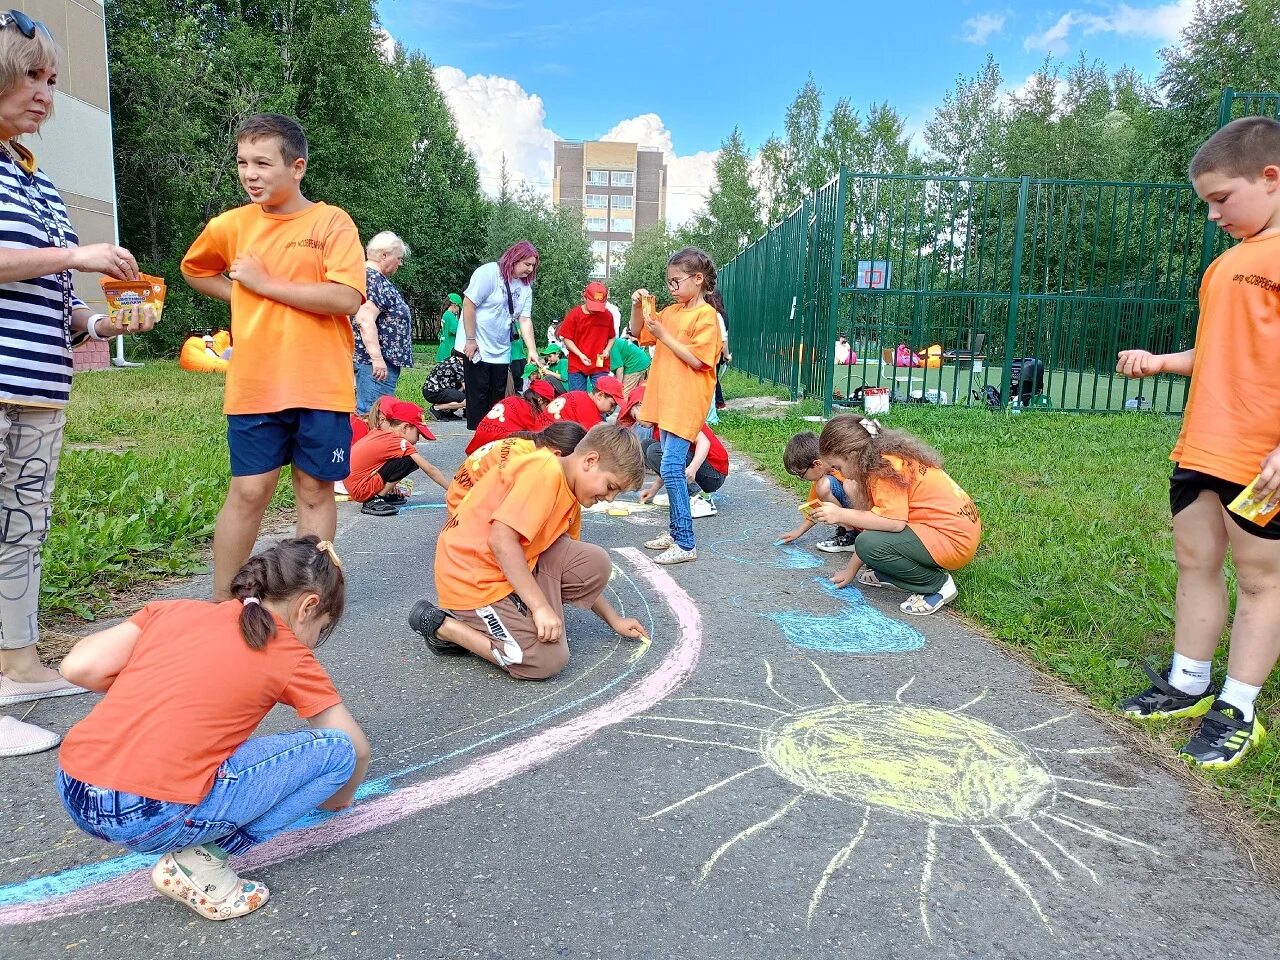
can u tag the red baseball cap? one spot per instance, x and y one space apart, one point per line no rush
610 386
594 296
543 389
632 401
405 412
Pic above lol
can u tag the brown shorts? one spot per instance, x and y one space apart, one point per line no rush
570 571
632 380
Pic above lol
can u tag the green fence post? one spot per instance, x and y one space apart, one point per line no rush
1015 288
833 315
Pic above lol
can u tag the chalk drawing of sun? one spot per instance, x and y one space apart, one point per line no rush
960 777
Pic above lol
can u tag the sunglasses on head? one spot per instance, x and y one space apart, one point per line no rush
26 26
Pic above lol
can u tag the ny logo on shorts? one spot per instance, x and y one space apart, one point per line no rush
339 455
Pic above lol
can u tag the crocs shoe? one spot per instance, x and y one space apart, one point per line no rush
675 554
17 739
15 691
922 605
1162 699
662 541
1224 737
171 880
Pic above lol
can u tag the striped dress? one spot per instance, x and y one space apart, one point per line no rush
35 333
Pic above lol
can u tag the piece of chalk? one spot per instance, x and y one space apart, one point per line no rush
619 512
777 543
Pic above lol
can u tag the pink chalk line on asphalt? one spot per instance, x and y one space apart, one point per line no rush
668 676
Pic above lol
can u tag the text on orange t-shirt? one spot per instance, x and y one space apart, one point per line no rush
677 398
191 693
481 462
285 357
1232 418
529 494
941 514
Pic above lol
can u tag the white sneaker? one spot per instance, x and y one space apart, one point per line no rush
661 500
700 506
676 554
661 542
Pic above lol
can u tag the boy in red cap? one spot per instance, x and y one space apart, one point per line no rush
582 407
587 332
386 456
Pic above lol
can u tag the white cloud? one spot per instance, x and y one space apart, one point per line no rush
982 27
1163 22
498 118
386 44
688 178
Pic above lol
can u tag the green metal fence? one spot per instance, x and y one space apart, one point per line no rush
1030 286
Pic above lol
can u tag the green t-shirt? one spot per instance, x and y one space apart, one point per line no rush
448 331
560 370
627 355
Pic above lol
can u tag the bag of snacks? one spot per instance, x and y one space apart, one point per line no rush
121 295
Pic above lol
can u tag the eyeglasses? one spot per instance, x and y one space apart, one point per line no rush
675 284
26 26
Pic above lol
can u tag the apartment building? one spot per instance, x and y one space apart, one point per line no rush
619 188
74 148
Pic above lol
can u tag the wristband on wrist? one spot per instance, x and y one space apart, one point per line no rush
91 326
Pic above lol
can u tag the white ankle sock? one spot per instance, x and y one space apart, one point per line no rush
1190 676
1240 695
208 871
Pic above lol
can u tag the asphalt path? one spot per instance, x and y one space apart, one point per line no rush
784 770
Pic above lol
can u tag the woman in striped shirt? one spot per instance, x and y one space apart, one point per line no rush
40 319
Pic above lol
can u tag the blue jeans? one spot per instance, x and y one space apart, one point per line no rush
369 391
584 381
675 455
262 788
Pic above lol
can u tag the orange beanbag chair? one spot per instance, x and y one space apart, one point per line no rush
198 355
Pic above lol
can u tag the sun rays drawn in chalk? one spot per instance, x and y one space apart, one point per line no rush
961 778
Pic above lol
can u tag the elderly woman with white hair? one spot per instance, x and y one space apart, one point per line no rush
383 325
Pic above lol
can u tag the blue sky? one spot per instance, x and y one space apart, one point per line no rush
681 76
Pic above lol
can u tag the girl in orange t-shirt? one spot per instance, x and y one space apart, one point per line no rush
165 762
921 525
681 384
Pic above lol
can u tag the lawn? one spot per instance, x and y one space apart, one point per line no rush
1076 568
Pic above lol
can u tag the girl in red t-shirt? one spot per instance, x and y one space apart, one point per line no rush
165 762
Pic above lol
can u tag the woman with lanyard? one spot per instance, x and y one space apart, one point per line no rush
496 310
40 319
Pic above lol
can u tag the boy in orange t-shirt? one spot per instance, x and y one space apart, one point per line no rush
386 455
510 558
293 272
1230 435
919 526
681 384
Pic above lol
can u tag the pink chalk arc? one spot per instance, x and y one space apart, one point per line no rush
668 675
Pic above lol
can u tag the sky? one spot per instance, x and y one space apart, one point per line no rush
519 75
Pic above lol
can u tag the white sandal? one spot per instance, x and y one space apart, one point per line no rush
920 605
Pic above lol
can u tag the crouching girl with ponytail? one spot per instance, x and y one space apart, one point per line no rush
165 764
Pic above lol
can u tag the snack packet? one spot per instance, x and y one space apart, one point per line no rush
648 306
1254 508
808 508
123 294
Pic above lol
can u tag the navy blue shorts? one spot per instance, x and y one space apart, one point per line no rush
317 442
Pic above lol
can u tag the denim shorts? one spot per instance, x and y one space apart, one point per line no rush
838 491
317 442
369 391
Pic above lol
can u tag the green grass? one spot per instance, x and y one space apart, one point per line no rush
1076 567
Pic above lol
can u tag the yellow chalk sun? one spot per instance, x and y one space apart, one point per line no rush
943 768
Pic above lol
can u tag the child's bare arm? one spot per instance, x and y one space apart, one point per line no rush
1136 364
338 717
792 535
628 627
96 661
846 576
216 287
505 544
430 469
861 519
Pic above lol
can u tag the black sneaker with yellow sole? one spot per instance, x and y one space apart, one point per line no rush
1162 699
1224 737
